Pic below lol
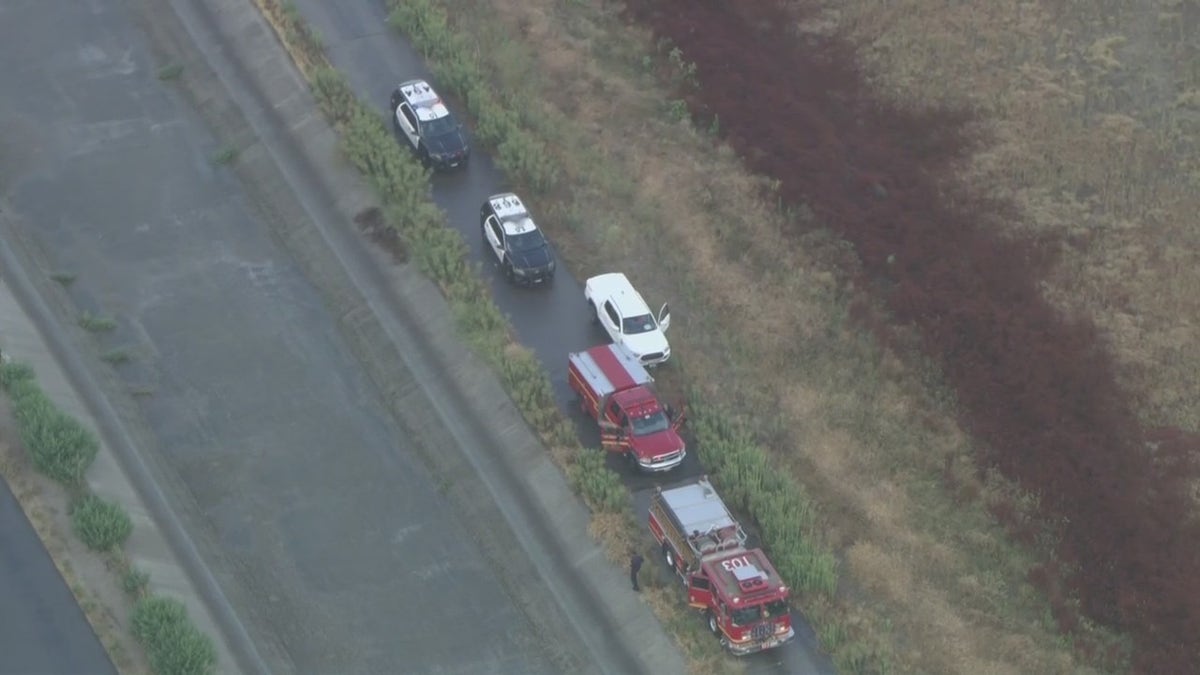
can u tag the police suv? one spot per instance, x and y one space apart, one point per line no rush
514 240
419 115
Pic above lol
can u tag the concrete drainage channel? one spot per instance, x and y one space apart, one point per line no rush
507 495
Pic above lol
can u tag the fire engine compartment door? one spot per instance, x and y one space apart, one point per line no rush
699 591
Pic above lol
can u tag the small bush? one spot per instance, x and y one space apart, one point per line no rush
116 356
226 155
173 644
170 72
135 581
12 372
601 487
101 524
93 323
57 443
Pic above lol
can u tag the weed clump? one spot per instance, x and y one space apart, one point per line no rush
101 524
172 642
59 446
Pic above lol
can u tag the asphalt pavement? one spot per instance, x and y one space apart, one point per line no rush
310 502
552 321
42 629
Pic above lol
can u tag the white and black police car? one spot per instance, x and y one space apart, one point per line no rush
419 115
514 240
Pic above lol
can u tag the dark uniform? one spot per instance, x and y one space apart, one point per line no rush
635 564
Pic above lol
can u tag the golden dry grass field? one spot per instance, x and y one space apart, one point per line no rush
1093 109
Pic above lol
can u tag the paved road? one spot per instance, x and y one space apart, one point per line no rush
551 321
42 629
339 551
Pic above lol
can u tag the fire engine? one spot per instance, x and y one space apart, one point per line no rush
616 390
744 599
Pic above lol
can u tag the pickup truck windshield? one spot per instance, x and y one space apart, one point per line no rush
650 424
634 325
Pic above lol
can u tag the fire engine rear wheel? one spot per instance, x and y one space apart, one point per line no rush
712 624
668 555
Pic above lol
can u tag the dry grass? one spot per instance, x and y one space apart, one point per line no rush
762 318
87 574
1094 108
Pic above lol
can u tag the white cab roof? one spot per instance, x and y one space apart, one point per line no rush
616 287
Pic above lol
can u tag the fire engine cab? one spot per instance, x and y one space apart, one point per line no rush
616 390
744 599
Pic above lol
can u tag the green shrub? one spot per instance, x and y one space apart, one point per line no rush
173 644
93 323
135 581
170 72
12 372
101 524
57 443
601 487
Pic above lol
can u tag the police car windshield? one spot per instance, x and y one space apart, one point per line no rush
526 241
638 324
439 127
645 425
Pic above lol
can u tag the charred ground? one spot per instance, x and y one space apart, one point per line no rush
1036 388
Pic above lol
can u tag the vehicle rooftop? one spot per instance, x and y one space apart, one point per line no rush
608 368
507 205
758 577
425 101
698 507
512 212
616 287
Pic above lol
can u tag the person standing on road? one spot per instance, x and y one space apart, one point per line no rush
635 565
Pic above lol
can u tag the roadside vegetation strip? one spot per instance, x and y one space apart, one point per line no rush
441 254
784 513
60 447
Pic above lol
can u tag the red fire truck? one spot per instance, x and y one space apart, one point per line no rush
616 390
741 594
